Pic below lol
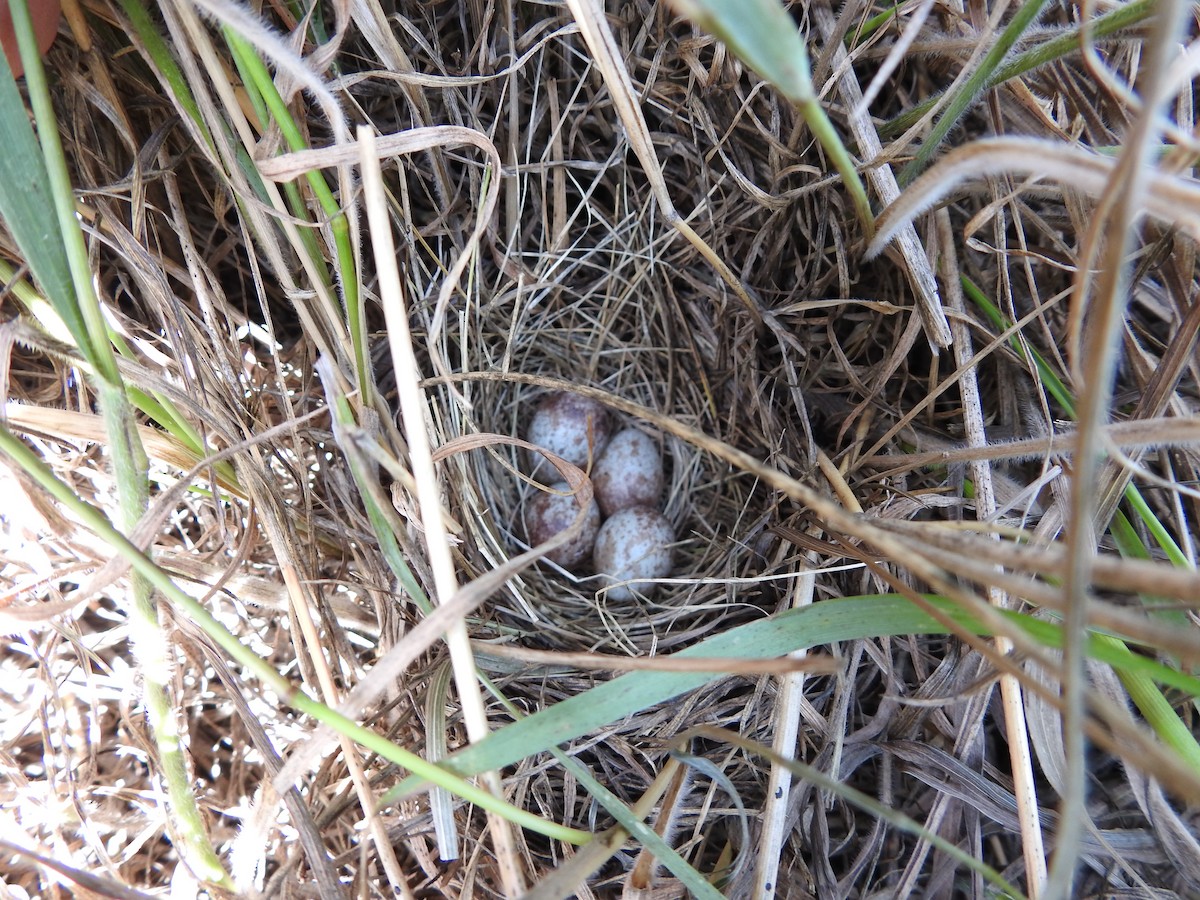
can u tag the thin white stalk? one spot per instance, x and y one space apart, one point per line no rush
412 408
985 507
779 785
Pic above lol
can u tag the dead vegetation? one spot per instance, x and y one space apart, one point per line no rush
813 429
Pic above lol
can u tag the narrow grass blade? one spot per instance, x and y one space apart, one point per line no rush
630 819
82 310
147 32
1056 48
968 92
339 225
640 831
847 618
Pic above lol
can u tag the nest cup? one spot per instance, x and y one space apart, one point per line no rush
713 509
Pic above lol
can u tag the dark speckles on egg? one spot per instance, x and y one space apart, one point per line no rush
573 427
628 473
547 514
633 545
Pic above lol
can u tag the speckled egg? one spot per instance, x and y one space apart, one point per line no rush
573 427
633 544
628 473
548 513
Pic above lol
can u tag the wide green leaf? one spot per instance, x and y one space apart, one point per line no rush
762 35
28 209
848 618
811 626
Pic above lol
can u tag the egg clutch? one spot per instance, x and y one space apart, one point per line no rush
625 535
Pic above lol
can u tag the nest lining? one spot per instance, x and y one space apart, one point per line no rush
714 510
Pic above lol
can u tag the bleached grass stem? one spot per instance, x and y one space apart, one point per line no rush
1021 760
429 496
785 730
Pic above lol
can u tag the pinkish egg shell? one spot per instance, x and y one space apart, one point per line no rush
549 513
45 15
628 473
633 545
573 427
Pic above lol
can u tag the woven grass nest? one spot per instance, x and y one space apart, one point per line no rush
717 515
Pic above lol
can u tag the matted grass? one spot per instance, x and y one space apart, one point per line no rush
917 613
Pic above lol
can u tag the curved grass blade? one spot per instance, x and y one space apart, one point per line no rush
764 37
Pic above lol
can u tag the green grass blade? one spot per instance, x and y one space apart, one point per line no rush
1059 47
847 618
369 490
821 623
640 831
151 649
93 341
872 25
628 818
763 36
1112 651
1166 542
264 87
1138 680
1047 375
28 210
970 90
158 51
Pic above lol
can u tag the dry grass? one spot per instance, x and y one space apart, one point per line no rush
576 277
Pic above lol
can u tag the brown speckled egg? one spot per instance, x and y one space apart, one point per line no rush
573 427
547 514
633 544
628 473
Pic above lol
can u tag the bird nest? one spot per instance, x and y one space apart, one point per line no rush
623 351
